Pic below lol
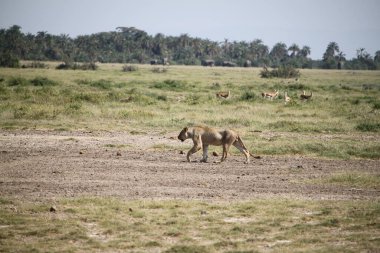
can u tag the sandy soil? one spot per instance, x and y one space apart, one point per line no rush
37 165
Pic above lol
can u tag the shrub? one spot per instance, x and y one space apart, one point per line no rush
376 106
130 68
42 81
75 66
102 84
88 66
35 65
248 95
7 60
368 127
17 81
159 70
170 85
281 72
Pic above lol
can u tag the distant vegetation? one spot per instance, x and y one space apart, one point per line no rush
131 45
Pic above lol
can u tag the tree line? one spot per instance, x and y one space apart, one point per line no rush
131 45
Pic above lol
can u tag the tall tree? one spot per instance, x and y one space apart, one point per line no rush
329 60
305 51
279 54
12 46
294 48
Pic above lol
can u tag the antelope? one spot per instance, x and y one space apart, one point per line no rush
270 95
287 98
306 97
223 94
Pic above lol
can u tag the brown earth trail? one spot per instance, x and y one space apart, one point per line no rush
47 165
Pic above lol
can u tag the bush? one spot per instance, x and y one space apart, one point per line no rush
281 72
76 66
42 81
102 84
248 95
17 81
130 68
170 85
7 60
35 65
159 70
368 127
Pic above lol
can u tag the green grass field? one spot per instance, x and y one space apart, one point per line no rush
343 112
342 121
111 225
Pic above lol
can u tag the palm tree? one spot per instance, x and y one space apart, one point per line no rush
341 58
377 56
305 51
278 54
294 48
329 59
332 48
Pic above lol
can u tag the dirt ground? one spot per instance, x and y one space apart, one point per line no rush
37 165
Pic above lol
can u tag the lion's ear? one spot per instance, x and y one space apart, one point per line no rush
186 128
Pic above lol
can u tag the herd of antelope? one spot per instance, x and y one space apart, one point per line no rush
269 95
272 95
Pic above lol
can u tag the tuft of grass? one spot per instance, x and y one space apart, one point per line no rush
187 249
354 180
17 81
130 68
368 127
172 85
42 81
248 96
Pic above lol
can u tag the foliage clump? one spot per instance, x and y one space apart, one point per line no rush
130 68
368 127
35 65
281 72
42 81
8 60
248 96
175 85
76 66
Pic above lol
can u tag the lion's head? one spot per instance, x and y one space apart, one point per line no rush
183 134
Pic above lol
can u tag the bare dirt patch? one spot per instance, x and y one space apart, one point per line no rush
49 165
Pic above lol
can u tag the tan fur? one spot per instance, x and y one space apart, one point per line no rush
287 98
204 136
270 95
306 97
223 94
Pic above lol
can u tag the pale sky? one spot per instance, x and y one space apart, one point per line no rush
352 24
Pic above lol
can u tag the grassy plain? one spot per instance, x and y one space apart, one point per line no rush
341 121
111 225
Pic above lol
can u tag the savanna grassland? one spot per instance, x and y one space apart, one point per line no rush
89 161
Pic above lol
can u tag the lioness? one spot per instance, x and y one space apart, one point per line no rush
203 136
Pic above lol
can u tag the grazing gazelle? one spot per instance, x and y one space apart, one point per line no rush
287 98
306 97
270 95
223 94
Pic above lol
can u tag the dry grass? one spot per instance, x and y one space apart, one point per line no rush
112 225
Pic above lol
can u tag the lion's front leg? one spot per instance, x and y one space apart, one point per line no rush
197 146
205 155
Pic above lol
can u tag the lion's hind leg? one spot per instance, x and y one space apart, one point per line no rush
237 144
